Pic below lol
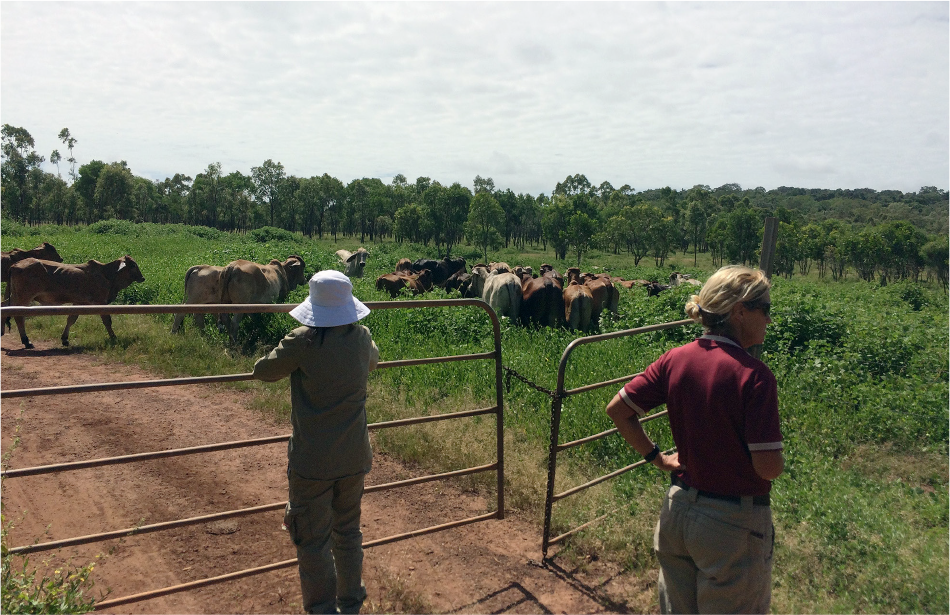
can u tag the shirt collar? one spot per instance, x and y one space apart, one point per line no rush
721 339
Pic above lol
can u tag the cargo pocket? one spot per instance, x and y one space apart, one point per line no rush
296 523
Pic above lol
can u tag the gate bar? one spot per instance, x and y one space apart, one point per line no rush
168 525
603 434
277 566
209 448
144 384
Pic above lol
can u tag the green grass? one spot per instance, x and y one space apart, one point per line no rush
861 511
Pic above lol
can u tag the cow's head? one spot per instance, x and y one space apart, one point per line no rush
129 270
294 268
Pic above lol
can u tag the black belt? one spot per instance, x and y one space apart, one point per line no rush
757 500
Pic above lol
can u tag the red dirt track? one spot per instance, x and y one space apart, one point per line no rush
486 567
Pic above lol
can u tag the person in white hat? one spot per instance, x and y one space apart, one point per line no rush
328 361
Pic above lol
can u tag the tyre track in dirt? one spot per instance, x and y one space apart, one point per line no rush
478 568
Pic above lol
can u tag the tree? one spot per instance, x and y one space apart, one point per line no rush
70 143
113 196
55 158
207 192
485 184
555 222
935 257
267 179
485 218
19 160
581 229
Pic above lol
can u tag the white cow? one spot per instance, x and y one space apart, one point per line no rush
354 262
504 294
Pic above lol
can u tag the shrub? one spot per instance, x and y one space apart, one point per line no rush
66 590
112 227
266 234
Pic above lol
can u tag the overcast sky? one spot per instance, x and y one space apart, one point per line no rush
813 95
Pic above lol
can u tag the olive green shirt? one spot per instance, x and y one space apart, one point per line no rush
328 371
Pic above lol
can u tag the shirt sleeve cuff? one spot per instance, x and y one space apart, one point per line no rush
626 399
766 446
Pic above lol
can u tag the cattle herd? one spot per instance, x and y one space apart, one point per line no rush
544 298
575 300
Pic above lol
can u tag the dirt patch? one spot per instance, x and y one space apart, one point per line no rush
486 567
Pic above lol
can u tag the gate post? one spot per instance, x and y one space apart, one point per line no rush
552 467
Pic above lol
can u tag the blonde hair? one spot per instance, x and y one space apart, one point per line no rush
728 286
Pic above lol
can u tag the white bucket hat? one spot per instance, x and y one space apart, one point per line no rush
331 302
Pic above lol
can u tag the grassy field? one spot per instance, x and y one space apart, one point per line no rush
861 511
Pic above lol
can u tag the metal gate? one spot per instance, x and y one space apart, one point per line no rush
766 256
497 410
556 447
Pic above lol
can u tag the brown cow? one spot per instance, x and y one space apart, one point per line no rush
246 282
393 283
202 285
577 306
601 284
52 283
45 252
405 265
542 301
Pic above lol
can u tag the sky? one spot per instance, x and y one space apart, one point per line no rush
803 94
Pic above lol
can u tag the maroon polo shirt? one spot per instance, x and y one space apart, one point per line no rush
722 403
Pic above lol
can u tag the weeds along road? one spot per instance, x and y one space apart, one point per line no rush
485 567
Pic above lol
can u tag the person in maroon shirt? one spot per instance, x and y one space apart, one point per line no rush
715 536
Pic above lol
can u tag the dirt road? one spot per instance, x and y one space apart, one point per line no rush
487 567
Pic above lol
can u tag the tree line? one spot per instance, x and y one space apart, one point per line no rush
883 235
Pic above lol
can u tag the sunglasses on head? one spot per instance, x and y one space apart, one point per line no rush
765 306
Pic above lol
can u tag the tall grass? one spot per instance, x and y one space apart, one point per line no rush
861 511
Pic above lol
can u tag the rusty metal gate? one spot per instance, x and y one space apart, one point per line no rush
497 410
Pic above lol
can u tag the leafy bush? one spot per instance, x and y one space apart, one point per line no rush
206 232
112 227
266 234
65 590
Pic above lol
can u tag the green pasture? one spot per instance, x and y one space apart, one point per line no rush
861 511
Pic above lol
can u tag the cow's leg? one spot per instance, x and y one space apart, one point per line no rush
235 325
21 327
177 324
69 322
107 321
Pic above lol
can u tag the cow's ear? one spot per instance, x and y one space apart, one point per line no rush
121 265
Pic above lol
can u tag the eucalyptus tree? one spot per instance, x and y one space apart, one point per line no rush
237 204
332 194
70 142
144 198
55 158
696 217
935 259
207 196
447 208
174 194
19 160
485 219
113 195
483 184
267 179
556 222
308 197
510 205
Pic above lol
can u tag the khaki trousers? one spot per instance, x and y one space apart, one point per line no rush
715 556
323 518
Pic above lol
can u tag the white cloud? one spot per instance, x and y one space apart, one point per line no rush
810 94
